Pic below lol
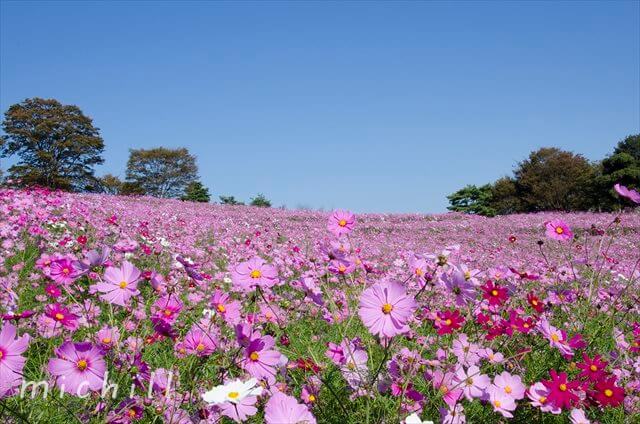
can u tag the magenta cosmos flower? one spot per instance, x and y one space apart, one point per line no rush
11 361
254 272
119 284
385 309
260 359
285 409
341 222
558 230
78 368
63 271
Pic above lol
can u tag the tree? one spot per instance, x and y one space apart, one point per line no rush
196 192
161 172
623 167
109 184
504 197
57 145
554 179
260 201
472 199
230 200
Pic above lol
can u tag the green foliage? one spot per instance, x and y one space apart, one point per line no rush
260 201
109 184
472 199
196 192
623 167
553 179
160 171
230 200
57 145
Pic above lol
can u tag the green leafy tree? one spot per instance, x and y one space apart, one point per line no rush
230 200
109 184
161 172
260 201
554 179
472 199
57 145
504 197
623 167
196 192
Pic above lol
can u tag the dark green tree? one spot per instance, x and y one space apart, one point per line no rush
260 201
57 145
196 192
161 172
554 179
472 199
109 184
504 197
622 167
230 200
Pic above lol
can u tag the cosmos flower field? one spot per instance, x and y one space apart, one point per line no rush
119 309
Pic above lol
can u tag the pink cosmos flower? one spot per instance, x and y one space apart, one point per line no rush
385 309
511 385
167 308
452 393
254 272
282 409
61 315
78 368
107 337
63 271
501 402
630 194
120 284
11 361
539 396
577 416
198 342
558 230
225 307
260 360
473 383
557 338
341 222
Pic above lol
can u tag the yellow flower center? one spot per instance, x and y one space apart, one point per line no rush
200 347
132 413
387 308
66 271
342 223
419 272
1 354
555 337
542 400
467 275
254 356
59 316
447 321
534 302
221 308
106 340
469 381
233 395
82 365
351 365
563 387
256 273
123 284
497 403
559 230
508 389
168 312
342 268
608 392
494 292
593 368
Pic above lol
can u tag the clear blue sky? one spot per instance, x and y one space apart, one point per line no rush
371 106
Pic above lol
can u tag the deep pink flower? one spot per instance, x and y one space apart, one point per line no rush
448 321
167 308
341 222
282 409
561 390
120 284
494 293
78 368
11 361
252 273
558 230
592 369
607 393
198 342
63 271
385 309
61 315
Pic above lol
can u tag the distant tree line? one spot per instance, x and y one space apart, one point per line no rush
57 146
551 179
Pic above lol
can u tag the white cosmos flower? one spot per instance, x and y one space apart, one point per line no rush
234 391
415 419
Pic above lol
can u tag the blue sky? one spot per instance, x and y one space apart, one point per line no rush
370 106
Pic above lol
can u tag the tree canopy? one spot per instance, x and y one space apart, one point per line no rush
261 201
57 145
196 192
160 171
